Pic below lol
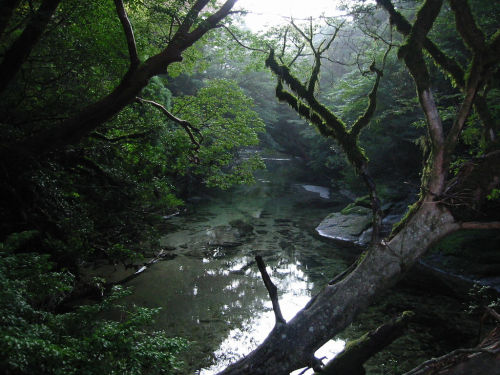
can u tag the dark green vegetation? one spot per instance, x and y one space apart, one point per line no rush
112 113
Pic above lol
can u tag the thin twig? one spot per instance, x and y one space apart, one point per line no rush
235 38
188 127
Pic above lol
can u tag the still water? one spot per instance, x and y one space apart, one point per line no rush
212 292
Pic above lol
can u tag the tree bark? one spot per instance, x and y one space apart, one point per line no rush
350 361
17 54
292 346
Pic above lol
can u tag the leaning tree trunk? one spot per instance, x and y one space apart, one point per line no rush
292 345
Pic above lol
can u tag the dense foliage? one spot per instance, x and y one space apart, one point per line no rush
34 339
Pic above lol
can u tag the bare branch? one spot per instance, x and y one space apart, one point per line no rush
446 357
129 34
185 124
283 48
332 38
480 225
272 289
298 54
235 38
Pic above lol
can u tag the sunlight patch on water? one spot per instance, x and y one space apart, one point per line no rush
253 331
326 353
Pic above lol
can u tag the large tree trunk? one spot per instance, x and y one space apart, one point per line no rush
291 346
17 54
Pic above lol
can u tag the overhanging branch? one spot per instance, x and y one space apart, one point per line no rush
186 125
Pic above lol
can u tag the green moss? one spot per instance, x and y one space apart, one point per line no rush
353 208
396 228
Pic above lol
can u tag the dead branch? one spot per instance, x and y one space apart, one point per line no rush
187 126
272 289
480 225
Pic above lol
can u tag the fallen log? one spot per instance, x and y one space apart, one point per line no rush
350 361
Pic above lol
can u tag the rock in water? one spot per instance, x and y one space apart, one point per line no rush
346 227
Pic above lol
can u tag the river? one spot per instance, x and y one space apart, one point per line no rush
212 294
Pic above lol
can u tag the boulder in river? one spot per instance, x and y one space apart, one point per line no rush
346 227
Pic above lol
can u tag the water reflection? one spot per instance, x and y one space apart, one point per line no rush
212 292
240 341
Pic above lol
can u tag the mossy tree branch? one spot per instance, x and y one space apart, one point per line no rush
303 110
475 39
466 25
446 63
330 121
306 105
